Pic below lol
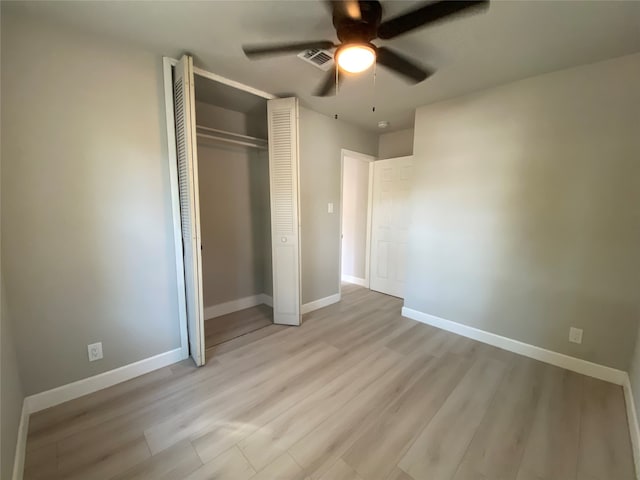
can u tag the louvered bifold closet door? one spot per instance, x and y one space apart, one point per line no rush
285 227
184 104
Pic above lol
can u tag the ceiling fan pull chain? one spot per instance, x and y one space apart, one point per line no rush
374 87
337 82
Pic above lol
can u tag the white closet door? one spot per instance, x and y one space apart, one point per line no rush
285 228
184 102
390 224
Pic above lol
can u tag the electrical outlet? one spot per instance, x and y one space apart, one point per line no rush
95 351
575 335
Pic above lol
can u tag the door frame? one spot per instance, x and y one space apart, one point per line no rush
167 71
367 253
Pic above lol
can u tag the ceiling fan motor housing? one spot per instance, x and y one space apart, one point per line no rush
359 30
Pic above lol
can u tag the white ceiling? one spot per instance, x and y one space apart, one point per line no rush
514 40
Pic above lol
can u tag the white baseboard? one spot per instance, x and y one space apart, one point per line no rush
320 303
225 308
62 394
355 280
548 356
21 442
266 299
632 418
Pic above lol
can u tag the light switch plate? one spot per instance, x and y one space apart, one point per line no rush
330 207
95 351
575 335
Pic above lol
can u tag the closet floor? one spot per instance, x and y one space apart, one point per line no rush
356 392
227 327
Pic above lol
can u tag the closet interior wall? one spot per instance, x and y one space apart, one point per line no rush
234 200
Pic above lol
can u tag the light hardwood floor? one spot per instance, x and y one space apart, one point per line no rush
356 392
227 327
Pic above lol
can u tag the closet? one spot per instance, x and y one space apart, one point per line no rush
236 155
233 186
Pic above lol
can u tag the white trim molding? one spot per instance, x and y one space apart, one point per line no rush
355 280
320 303
231 306
632 418
21 443
266 299
574 364
64 393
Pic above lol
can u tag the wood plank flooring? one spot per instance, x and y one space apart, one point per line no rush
356 392
227 327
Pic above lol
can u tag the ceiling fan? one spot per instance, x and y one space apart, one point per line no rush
357 23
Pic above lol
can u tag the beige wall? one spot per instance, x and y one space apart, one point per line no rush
234 211
355 197
525 218
87 249
321 141
395 144
214 116
11 389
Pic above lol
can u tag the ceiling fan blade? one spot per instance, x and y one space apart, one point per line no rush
345 8
252 51
402 65
328 86
425 15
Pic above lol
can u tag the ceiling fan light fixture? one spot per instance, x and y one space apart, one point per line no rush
355 58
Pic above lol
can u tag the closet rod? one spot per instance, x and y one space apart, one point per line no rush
224 132
230 140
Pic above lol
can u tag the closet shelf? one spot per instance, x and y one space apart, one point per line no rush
230 137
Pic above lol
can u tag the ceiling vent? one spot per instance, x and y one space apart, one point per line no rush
323 59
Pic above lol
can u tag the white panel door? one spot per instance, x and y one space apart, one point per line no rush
285 227
184 104
390 224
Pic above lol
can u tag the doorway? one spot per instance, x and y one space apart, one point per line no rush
355 217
